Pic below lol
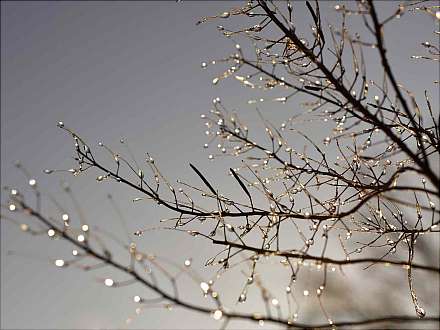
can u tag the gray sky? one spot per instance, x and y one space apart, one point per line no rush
111 70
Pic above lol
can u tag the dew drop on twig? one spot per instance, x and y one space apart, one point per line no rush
420 312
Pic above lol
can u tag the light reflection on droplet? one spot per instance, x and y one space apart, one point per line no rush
217 315
204 286
420 312
109 282
138 233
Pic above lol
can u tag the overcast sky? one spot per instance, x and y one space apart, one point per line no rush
113 70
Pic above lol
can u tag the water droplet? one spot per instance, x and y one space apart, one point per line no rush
187 262
80 238
217 315
306 293
32 182
280 99
51 233
215 80
60 124
204 65
59 263
109 282
205 287
242 298
225 14
420 312
275 302
12 207
138 233
137 299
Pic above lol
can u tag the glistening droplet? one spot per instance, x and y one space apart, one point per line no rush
242 298
420 312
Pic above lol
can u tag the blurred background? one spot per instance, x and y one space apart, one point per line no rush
132 70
